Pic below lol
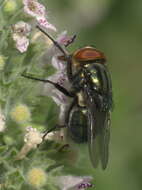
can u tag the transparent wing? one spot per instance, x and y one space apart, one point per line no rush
104 142
98 133
93 140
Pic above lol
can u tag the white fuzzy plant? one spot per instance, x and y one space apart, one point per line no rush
23 164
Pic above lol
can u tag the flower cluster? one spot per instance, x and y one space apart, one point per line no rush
60 77
32 139
37 10
21 31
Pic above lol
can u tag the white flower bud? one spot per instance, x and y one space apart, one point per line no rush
32 139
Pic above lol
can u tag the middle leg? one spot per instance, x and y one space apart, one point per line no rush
57 127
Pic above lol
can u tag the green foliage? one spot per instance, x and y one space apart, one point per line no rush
14 173
15 89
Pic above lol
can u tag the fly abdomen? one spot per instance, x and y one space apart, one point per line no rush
77 127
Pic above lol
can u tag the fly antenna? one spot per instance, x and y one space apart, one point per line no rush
54 41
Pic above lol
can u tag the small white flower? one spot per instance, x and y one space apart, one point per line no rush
63 38
2 122
72 182
20 32
33 137
37 10
21 28
22 44
43 22
33 8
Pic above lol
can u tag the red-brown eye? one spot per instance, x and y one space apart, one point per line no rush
88 54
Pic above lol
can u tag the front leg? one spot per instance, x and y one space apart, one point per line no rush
69 69
56 85
55 128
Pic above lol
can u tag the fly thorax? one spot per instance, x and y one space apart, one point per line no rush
94 79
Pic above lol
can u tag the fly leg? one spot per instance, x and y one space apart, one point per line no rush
64 147
70 41
74 102
69 69
68 58
55 128
56 85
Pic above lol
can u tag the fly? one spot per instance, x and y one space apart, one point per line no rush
88 116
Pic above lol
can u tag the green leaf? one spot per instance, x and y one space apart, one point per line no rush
16 177
26 187
12 154
3 149
3 170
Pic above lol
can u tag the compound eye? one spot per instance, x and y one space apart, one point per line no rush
88 54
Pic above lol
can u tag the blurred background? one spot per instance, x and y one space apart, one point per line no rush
113 26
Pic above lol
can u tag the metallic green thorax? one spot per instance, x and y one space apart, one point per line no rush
99 82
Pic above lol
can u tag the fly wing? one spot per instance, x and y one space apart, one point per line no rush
93 140
98 132
105 138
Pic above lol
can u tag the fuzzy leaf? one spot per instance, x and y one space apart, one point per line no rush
15 177
3 149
